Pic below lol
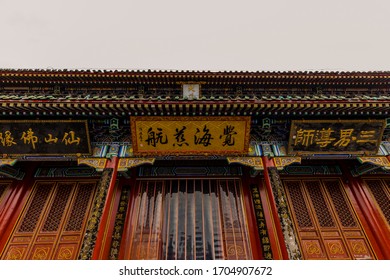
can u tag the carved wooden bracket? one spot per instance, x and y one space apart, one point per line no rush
126 163
282 162
10 162
7 170
97 163
378 161
255 162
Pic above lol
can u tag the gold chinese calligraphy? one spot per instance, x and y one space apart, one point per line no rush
336 136
190 135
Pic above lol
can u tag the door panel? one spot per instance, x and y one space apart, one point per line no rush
327 225
52 223
379 189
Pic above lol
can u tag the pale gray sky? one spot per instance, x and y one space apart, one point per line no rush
253 35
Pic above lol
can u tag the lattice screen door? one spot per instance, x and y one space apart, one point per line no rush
53 222
328 227
188 219
379 189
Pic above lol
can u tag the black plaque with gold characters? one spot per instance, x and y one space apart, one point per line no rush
44 137
335 137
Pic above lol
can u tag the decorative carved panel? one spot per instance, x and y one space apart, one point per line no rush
325 220
379 189
52 224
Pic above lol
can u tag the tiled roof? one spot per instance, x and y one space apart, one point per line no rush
121 77
96 92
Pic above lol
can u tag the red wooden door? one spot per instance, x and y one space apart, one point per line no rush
327 225
379 192
52 223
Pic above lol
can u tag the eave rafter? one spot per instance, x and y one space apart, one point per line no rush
138 107
218 78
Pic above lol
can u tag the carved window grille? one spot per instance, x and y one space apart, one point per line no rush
57 208
36 207
335 232
298 202
188 219
52 209
323 214
79 207
340 203
380 190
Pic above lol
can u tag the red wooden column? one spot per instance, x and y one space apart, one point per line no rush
369 217
380 228
274 227
124 251
251 218
98 251
15 203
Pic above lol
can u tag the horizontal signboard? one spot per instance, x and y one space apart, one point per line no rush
44 137
336 136
190 135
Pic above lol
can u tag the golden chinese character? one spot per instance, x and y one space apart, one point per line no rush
324 137
305 137
366 136
7 140
345 138
29 138
69 138
51 139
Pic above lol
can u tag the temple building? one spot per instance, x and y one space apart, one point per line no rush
194 165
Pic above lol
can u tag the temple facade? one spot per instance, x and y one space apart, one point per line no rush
194 165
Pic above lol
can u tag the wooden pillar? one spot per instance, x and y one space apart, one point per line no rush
254 237
124 251
98 251
381 232
15 202
368 217
274 227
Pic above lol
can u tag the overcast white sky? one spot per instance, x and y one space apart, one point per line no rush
253 35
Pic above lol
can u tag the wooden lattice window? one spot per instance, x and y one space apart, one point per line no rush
325 220
52 224
380 191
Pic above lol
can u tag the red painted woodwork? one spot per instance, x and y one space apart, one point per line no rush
53 221
106 246
382 185
15 205
326 222
278 245
251 218
102 231
128 226
369 214
7 193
